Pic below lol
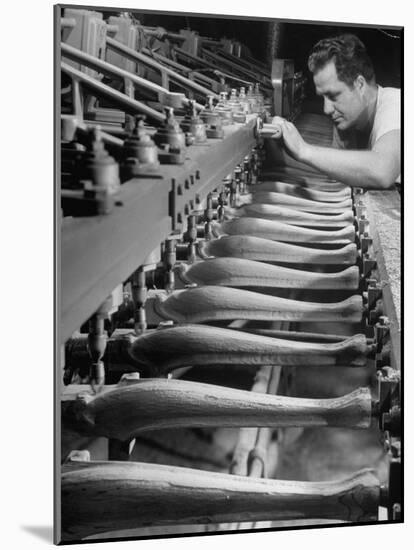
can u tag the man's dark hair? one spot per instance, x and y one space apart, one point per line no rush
348 54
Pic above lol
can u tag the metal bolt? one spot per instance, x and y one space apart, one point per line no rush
396 511
395 449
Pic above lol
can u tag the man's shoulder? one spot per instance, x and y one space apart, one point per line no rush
389 89
389 95
388 104
388 114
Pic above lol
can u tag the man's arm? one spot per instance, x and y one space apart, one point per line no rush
375 169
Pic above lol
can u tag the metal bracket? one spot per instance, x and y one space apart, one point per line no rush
357 191
389 409
382 340
373 302
365 242
375 313
360 210
363 224
391 496
382 330
373 293
368 264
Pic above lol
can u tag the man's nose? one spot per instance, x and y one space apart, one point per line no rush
328 107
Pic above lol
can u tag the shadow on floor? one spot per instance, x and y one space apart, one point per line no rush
43 532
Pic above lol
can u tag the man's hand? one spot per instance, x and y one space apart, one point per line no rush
295 144
370 169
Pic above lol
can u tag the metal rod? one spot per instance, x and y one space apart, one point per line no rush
257 460
67 22
245 64
125 102
180 67
153 31
166 60
72 124
230 64
211 66
112 70
136 56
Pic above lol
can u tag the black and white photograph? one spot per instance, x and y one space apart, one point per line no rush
228 322
203 241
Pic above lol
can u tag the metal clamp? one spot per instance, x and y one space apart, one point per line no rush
391 495
389 409
374 306
382 341
382 331
373 292
365 243
360 210
368 264
363 224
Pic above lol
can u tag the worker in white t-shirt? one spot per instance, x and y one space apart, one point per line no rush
366 146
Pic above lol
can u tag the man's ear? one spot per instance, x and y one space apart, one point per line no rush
360 83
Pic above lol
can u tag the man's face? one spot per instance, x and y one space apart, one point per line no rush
342 103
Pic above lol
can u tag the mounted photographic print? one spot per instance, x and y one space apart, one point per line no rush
228 274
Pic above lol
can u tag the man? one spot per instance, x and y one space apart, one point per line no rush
366 118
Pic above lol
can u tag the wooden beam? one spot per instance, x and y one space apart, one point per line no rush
100 497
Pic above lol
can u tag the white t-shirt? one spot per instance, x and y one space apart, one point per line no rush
387 118
387 113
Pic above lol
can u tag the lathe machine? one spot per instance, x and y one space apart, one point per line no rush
229 328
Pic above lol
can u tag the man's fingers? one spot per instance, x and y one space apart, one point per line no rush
278 120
